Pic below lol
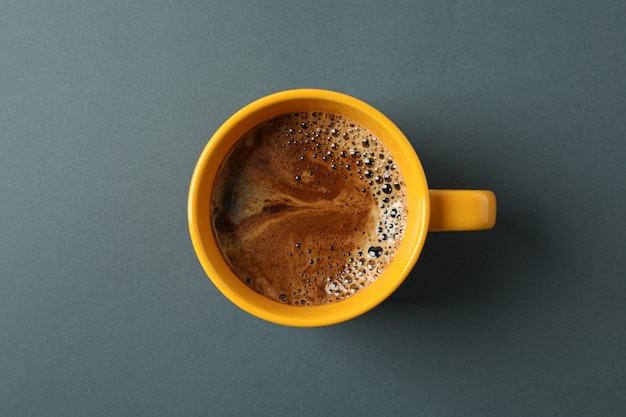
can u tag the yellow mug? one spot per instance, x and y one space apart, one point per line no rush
429 210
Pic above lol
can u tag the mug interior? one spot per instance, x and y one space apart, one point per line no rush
201 189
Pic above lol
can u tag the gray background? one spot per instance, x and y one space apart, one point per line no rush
106 105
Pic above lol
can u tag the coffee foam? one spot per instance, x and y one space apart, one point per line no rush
309 208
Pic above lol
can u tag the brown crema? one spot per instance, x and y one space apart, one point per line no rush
308 208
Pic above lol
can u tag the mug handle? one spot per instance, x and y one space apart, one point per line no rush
461 210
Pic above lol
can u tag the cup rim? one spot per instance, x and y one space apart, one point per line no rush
207 249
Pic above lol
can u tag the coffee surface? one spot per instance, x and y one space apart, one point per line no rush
309 208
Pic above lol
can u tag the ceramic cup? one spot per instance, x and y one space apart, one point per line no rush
429 210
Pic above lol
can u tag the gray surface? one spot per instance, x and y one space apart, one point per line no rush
105 107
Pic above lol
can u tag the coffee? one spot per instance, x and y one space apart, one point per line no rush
309 208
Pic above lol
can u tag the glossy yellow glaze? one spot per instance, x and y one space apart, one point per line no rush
462 211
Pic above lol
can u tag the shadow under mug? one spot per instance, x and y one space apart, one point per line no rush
428 210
